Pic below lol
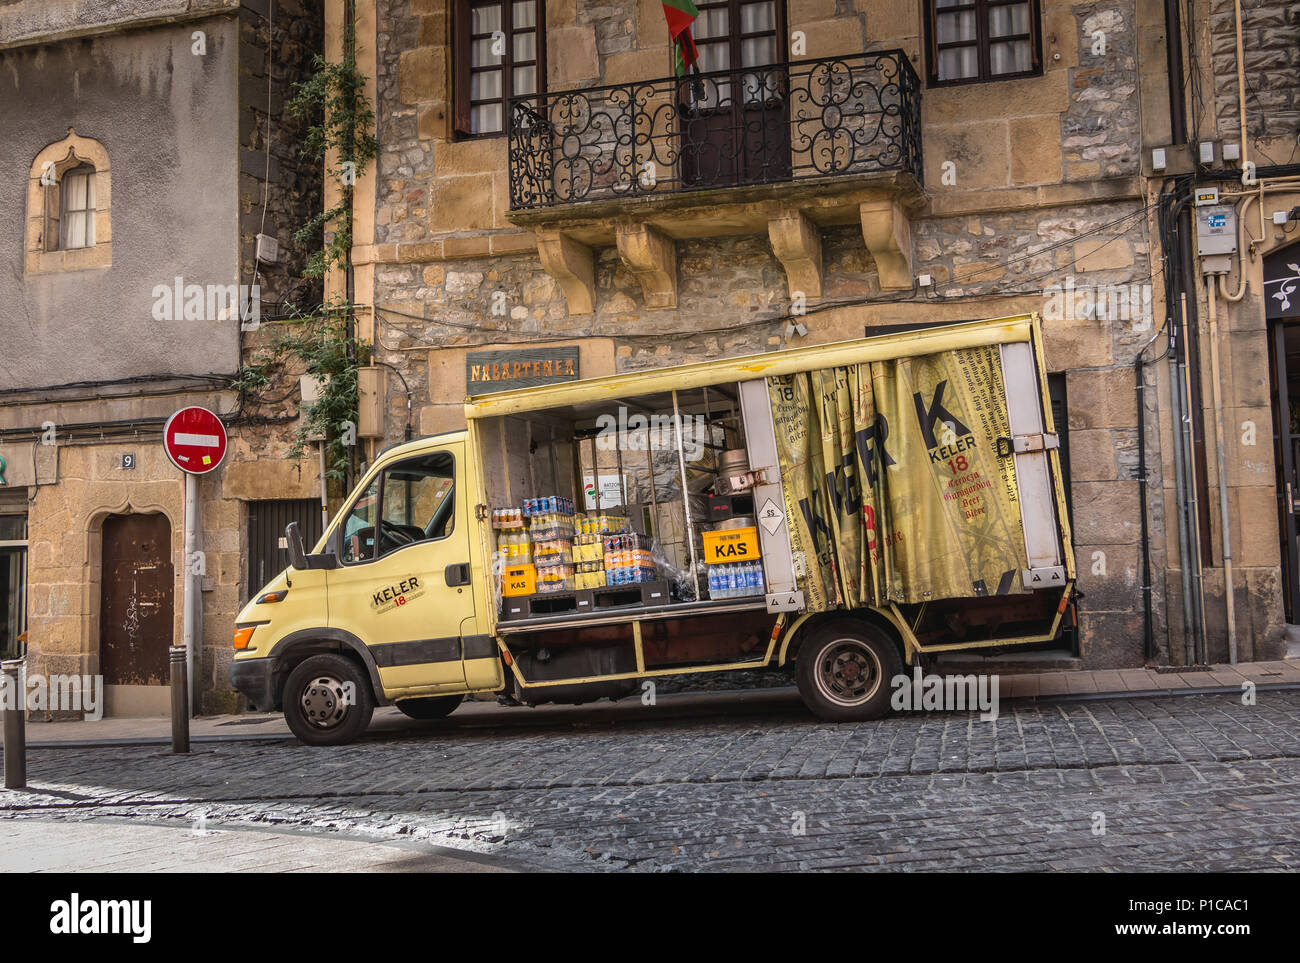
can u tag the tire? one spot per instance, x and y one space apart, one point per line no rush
315 703
844 670
435 707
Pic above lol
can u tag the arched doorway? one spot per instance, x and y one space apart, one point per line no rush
135 614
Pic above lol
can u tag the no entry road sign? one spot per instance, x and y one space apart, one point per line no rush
195 440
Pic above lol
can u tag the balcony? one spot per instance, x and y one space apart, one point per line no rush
835 117
785 149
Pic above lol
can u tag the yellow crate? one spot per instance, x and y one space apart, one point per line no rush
731 545
519 580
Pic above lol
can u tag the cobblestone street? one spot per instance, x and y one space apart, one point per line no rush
1196 782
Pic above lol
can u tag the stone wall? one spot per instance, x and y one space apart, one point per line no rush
293 182
1271 42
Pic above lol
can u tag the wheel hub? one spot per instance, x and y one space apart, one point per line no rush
848 672
322 702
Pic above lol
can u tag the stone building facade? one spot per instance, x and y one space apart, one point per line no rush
1031 187
164 106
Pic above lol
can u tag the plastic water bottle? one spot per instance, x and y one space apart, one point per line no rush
713 581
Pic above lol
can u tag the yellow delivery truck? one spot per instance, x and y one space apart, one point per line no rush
841 510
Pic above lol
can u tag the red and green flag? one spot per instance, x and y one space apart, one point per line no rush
680 14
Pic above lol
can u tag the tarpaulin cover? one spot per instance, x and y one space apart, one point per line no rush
893 485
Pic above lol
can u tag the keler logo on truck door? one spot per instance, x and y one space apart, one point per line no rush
387 599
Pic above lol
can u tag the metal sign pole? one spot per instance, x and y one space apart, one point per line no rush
190 598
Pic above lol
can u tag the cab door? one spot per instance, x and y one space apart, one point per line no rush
402 584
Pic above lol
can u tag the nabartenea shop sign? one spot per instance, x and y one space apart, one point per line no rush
488 371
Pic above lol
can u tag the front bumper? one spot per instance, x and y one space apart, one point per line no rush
255 678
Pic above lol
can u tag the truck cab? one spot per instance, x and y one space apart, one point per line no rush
387 608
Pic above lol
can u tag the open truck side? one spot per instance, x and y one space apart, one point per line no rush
761 516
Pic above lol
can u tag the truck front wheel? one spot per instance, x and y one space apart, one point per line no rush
327 700
844 670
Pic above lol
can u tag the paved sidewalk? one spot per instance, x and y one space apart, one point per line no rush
115 846
1029 686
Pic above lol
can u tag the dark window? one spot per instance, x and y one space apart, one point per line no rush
978 40
499 53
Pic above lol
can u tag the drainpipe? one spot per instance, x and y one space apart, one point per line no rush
1229 601
1190 402
1241 95
1178 423
1148 627
1174 66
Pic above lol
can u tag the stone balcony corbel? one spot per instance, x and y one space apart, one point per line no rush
888 232
652 257
797 243
571 263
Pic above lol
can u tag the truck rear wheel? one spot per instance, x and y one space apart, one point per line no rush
327 700
434 707
844 670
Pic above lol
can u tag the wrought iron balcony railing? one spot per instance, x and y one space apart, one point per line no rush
757 125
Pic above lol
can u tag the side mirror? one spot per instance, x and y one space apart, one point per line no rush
297 551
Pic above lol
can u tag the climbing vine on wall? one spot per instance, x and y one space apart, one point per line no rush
321 342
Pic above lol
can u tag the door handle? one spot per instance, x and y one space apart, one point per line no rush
457 574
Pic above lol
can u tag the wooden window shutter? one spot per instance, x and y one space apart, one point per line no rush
1034 39
932 34
460 64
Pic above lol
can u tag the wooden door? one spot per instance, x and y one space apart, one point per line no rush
137 591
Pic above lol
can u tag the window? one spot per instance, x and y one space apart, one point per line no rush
733 33
500 52
77 208
978 40
417 502
359 528
69 224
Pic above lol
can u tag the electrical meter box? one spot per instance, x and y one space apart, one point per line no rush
1216 230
